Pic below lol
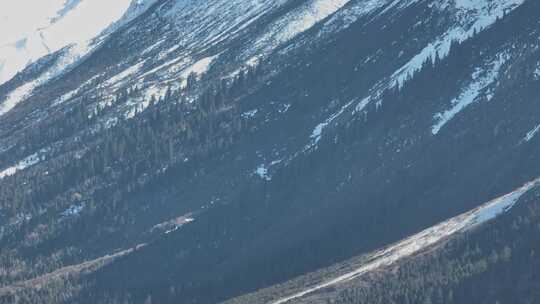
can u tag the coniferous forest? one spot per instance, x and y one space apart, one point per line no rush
235 151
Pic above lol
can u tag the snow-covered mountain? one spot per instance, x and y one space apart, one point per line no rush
30 30
241 134
197 34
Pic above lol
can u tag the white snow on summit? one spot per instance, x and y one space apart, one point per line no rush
31 29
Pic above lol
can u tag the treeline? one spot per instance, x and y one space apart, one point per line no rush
166 140
169 129
497 263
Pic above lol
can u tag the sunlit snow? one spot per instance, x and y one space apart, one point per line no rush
125 74
16 96
472 17
477 15
199 67
537 73
68 57
262 172
313 13
23 164
294 23
68 26
31 29
250 114
532 133
73 210
420 241
316 134
481 80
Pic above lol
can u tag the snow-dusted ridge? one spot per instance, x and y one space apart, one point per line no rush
67 58
425 239
316 134
471 17
25 163
296 22
75 30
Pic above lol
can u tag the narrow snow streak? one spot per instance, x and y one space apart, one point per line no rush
295 23
74 34
481 80
199 67
537 73
130 71
483 14
532 133
471 17
317 132
311 15
426 238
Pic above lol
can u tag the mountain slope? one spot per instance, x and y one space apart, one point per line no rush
55 25
247 143
436 265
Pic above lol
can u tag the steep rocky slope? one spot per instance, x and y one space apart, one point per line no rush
238 144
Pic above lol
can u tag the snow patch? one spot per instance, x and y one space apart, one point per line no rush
362 104
532 133
155 92
153 47
352 13
49 26
470 17
316 134
174 224
125 74
73 210
284 108
481 80
424 239
69 56
292 24
310 15
200 67
175 64
203 24
180 64
17 96
262 172
25 163
497 207
473 17
249 114
537 73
